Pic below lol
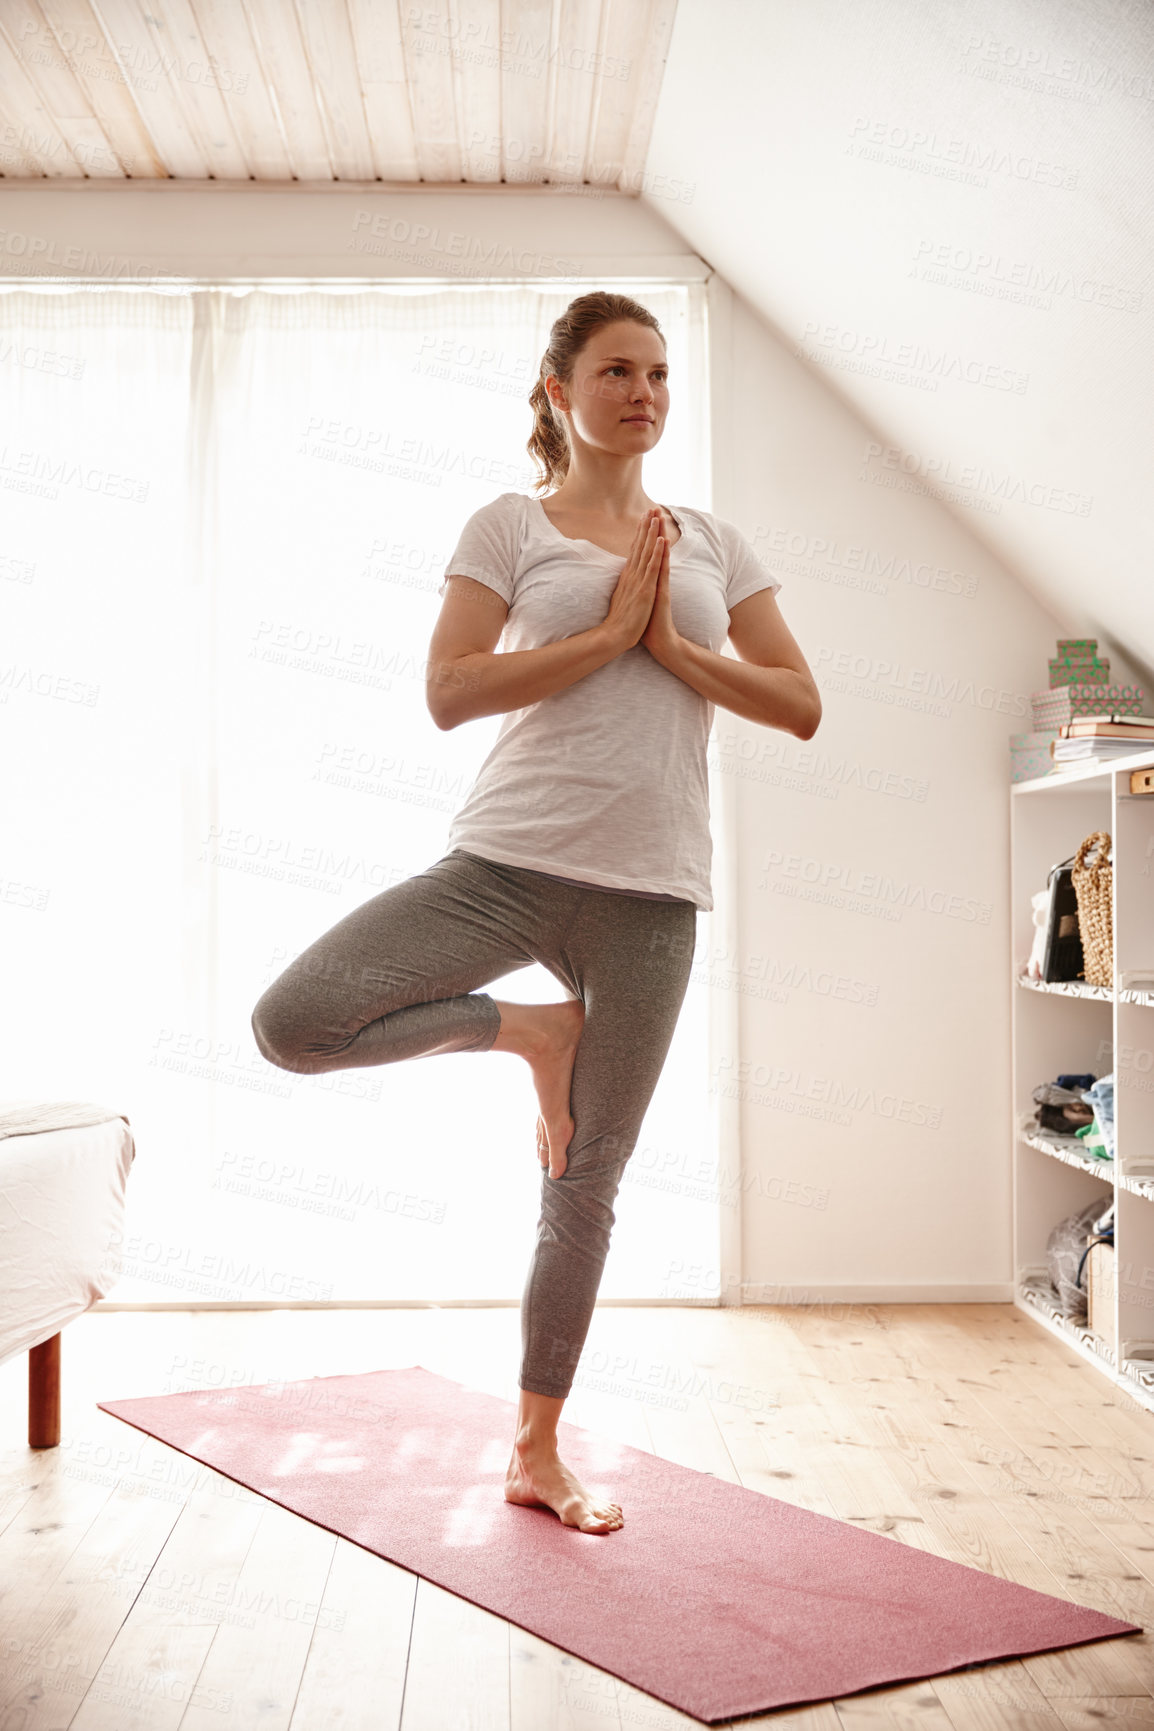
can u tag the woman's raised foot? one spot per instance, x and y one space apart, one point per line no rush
547 1037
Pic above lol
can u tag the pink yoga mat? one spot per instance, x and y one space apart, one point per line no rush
718 1600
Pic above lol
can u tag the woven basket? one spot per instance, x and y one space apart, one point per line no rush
1093 886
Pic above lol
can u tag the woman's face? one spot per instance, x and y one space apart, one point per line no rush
618 397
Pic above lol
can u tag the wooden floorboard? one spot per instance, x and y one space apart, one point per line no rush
140 1591
968 1467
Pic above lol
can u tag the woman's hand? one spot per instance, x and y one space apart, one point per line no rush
632 602
660 635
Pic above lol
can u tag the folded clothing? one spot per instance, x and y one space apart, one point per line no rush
1066 1120
1090 1136
1101 1097
1062 1108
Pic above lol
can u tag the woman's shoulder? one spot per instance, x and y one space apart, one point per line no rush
718 533
708 521
499 509
512 517
491 545
504 507
501 521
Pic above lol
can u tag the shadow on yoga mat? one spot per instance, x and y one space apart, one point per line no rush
718 1600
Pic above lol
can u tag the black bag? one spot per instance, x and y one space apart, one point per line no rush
1063 959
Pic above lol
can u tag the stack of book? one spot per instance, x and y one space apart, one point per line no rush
1101 738
1079 691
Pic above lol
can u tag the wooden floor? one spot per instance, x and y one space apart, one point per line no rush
136 1586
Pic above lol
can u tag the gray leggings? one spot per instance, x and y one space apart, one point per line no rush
397 978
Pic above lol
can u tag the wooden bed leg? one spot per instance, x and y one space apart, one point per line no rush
44 1394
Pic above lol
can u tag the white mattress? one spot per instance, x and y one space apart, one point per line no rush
62 1195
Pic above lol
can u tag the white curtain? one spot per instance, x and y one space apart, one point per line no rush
226 513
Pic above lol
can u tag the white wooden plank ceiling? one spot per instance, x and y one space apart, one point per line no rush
440 91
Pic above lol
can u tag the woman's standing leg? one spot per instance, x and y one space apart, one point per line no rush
629 959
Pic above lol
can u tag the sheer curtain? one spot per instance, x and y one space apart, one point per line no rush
226 514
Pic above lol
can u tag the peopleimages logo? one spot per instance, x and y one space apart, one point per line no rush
1025 282
845 346
833 1091
878 672
454 244
868 892
941 472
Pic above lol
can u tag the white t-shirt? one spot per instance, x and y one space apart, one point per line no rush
605 782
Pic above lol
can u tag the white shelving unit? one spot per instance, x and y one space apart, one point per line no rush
1072 1027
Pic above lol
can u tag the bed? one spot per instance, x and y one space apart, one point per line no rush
64 1169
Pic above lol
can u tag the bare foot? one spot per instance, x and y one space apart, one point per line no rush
538 1478
547 1037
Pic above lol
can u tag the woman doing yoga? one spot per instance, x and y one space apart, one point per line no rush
583 844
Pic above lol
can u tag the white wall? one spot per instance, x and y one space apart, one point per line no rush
936 216
120 231
875 1088
907 1018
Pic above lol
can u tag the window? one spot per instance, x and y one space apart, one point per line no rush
227 512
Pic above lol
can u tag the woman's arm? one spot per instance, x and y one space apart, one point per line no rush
465 679
771 684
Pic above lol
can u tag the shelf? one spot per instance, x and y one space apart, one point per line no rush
1067 1149
1037 1294
1138 1376
1118 1034
1068 988
1135 1375
1140 758
1080 989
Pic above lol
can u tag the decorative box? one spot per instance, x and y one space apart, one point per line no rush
1053 707
1030 754
1080 671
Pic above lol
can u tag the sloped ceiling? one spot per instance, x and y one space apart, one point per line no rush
947 206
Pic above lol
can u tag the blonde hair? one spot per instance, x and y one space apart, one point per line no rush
547 444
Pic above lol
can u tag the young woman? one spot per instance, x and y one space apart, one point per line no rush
584 841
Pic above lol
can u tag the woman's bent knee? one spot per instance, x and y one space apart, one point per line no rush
275 1038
